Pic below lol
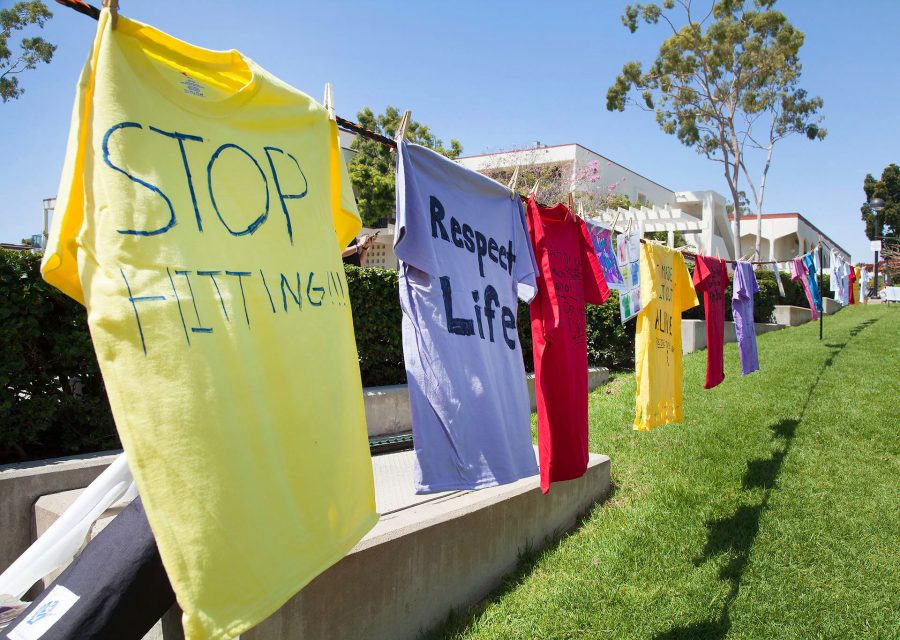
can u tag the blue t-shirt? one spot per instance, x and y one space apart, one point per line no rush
810 263
465 258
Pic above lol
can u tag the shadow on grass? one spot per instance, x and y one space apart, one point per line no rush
735 534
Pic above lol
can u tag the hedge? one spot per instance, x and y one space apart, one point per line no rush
53 401
377 316
767 298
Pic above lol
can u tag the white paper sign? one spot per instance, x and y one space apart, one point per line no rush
628 254
876 245
52 608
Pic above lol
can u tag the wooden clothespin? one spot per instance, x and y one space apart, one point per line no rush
717 254
401 128
571 206
328 101
113 6
534 189
581 209
615 220
514 179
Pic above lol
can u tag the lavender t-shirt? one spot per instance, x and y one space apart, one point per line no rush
744 286
465 259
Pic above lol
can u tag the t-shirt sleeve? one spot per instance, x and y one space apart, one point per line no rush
738 288
344 213
754 285
412 239
687 296
59 266
745 284
596 291
525 268
701 274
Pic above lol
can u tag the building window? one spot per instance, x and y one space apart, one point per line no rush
642 198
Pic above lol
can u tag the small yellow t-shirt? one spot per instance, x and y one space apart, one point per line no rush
201 216
666 291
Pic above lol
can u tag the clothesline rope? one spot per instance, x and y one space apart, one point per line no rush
348 125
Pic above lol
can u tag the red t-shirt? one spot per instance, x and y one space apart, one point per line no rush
711 277
568 277
852 281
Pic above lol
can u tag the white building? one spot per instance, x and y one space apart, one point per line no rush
701 216
785 236
613 176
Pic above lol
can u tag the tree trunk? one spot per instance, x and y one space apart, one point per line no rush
762 193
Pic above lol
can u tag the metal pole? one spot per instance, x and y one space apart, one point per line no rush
877 236
822 312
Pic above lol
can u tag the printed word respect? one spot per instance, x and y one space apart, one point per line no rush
465 237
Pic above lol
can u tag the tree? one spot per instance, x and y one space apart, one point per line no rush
33 50
557 179
888 189
744 203
724 84
372 169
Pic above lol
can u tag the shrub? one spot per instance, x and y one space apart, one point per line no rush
609 342
52 397
53 401
376 323
764 301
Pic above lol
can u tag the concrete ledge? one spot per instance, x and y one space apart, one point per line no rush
427 556
693 336
791 316
831 306
21 484
693 333
420 563
387 408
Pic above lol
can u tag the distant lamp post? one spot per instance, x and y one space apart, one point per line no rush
876 205
49 207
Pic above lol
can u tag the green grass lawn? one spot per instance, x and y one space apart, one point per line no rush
772 512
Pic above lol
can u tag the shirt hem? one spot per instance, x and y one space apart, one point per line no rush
473 486
271 605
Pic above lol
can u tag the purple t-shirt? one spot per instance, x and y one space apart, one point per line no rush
465 259
744 287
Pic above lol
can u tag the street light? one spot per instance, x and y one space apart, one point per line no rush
876 205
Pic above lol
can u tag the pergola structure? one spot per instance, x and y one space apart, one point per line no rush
651 220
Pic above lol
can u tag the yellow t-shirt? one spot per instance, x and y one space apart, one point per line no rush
201 216
666 291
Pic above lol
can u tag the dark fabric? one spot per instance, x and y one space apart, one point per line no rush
353 258
120 581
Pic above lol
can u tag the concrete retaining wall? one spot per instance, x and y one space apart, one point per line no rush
791 316
21 484
419 562
387 408
405 576
831 306
693 333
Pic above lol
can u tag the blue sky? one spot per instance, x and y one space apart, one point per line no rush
497 75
